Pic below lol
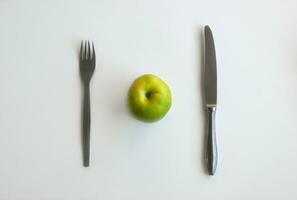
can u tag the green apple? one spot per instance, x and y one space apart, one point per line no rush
149 98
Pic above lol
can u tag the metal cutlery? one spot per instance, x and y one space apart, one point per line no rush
87 63
210 83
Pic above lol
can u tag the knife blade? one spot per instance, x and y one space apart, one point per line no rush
210 82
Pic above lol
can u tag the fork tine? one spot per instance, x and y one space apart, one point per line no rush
89 50
85 50
93 51
81 50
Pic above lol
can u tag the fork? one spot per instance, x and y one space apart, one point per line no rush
87 62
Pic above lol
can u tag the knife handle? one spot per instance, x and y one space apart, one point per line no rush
211 146
86 125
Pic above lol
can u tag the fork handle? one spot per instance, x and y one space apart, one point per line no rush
86 125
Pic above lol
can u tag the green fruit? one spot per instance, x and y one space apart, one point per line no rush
149 98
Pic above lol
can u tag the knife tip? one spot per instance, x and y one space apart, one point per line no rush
206 27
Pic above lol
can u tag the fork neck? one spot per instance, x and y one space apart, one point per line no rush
86 84
87 90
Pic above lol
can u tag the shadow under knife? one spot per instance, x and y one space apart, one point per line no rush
200 40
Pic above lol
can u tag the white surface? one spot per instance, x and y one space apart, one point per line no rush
40 152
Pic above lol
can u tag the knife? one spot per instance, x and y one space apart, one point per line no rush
210 83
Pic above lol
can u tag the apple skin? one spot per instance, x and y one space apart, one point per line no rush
149 98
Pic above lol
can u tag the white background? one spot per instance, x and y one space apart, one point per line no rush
40 101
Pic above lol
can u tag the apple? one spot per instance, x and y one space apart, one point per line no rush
149 98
